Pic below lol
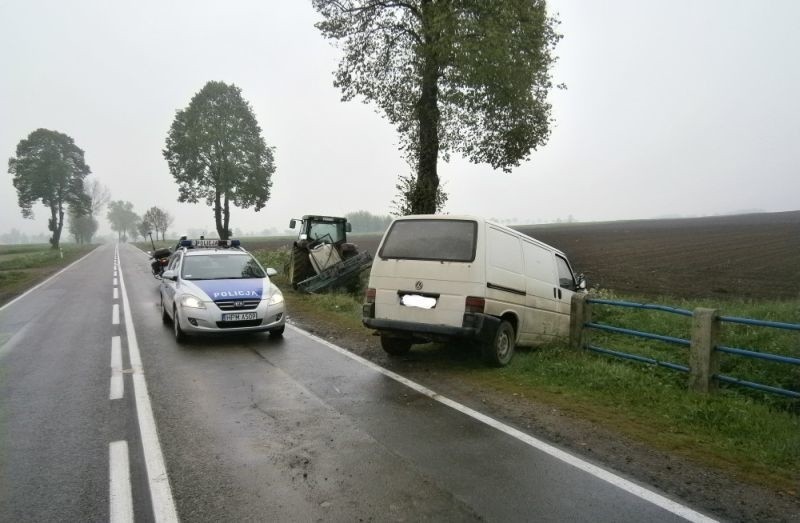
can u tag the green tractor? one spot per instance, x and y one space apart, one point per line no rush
322 259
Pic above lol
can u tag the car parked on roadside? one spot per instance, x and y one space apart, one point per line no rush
215 286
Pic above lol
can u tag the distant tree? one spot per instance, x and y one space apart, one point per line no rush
83 224
158 219
82 227
470 76
144 229
51 168
215 152
122 219
363 221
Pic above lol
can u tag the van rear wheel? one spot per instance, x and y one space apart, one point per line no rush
395 346
499 351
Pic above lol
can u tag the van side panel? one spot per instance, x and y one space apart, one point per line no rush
542 320
505 282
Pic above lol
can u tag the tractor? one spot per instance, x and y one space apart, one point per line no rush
322 259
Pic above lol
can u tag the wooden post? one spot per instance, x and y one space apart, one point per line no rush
580 313
703 359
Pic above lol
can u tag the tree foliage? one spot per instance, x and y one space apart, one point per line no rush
123 219
158 220
465 76
50 168
215 152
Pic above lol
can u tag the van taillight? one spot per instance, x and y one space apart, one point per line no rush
474 304
370 296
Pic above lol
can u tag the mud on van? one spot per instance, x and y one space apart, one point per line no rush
439 278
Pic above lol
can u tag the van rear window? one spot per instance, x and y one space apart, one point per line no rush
437 240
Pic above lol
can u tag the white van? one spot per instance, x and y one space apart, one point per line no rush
440 277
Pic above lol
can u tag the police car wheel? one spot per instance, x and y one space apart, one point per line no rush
180 336
164 314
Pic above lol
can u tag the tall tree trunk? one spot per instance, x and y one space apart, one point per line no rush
423 200
227 219
218 213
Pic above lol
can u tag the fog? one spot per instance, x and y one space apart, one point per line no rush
675 108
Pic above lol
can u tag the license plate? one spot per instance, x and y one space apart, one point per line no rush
239 316
415 300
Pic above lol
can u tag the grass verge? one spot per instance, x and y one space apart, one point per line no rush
23 266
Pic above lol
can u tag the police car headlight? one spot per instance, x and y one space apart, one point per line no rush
276 298
194 302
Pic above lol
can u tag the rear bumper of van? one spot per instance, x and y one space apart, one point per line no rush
474 326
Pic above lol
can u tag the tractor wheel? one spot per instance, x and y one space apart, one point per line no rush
301 266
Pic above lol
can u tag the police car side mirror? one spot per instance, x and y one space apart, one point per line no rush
271 272
169 275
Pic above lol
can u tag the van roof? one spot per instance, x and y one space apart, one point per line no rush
479 220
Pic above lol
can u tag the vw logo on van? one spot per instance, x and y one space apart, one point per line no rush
418 285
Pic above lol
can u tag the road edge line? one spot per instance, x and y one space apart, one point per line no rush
157 478
609 477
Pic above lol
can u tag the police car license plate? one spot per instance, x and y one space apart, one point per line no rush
239 316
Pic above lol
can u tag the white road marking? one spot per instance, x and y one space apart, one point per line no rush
119 472
116 293
117 389
160 491
47 280
115 314
115 281
600 473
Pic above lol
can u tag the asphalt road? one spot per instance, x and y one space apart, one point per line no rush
104 417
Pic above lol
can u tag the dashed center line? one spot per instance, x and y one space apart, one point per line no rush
115 314
117 389
119 471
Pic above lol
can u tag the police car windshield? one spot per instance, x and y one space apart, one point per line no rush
221 267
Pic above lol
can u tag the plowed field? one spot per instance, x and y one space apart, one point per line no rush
749 256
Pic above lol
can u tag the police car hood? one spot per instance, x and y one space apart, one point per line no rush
237 289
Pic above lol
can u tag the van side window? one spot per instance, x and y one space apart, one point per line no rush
565 278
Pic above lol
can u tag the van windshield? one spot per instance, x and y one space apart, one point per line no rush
437 240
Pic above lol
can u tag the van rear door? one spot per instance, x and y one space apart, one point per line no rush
425 269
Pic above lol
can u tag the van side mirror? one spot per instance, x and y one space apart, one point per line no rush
292 223
582 282
169 275
271 272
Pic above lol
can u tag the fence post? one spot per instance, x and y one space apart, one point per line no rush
703 359
580 313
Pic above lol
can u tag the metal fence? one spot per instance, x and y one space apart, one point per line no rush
704 348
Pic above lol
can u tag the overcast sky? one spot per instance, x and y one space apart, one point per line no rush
679 107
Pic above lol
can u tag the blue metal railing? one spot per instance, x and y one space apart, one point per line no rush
735 351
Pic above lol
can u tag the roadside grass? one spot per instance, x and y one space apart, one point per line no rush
754 436
22 266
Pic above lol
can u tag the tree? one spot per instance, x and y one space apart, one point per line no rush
122 219
215 152
466 76
158 220
51 168
82 227
82 222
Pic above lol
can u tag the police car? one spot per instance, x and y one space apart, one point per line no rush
214 286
